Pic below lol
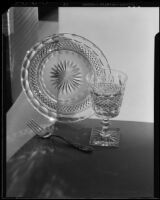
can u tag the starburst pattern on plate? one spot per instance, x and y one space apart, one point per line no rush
66 76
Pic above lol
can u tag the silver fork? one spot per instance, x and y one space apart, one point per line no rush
47 132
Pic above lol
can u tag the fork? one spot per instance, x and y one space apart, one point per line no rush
47 132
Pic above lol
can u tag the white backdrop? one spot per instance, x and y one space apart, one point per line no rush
126 36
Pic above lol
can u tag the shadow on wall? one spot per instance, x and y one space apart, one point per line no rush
23 31
48 14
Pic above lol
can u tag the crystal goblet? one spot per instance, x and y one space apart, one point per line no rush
107 92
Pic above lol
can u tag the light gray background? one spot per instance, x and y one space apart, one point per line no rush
126 36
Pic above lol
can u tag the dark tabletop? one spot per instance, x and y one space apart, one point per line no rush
48 168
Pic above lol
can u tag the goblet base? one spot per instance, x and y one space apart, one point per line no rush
112 138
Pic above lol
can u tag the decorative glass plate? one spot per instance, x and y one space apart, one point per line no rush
53 76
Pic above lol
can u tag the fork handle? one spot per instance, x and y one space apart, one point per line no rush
75 144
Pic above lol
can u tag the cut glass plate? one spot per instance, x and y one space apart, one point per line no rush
54 73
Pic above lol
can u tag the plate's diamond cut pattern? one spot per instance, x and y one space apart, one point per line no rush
66 76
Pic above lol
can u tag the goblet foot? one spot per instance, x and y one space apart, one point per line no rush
112 138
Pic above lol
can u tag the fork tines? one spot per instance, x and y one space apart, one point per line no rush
34 126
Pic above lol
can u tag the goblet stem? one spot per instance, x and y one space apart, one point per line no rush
105 126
